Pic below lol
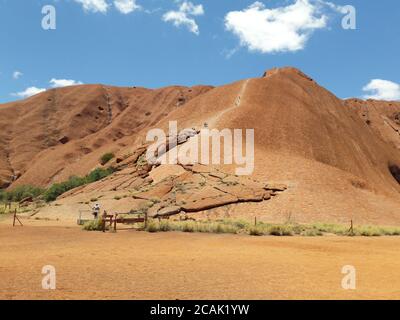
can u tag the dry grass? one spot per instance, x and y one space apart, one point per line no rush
266 229
191 226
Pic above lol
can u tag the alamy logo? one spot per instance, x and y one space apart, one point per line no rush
49 279
349 21
349 280
190 146
49 19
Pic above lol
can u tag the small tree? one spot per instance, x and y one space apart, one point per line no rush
58 189
98 174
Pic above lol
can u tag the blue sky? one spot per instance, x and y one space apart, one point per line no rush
156 43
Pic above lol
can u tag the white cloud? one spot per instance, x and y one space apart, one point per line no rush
126 6
189 8
17 74
382 90
184 16
54 83
94 5
281 29
31 91
58 83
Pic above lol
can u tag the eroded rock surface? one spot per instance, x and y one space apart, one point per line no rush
179 189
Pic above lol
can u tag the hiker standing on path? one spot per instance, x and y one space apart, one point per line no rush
96 210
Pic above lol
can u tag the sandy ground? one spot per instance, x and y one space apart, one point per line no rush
138 265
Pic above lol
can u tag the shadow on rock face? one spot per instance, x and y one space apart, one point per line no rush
395 171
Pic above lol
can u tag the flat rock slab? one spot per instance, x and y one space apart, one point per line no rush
158 191
243 193
231 180
131 159
198 194
276 187
169 211
200 168
209 203
218 175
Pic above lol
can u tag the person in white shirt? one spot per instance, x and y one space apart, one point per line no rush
96 210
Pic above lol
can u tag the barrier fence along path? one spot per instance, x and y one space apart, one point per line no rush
113 220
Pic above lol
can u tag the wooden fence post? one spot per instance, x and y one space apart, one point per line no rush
351 230
16 218
103 220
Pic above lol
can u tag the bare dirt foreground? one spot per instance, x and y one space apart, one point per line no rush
138 265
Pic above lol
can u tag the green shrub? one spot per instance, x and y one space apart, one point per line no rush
188 227
164 226
256 231
331 228
391 231
369 231
98 174
155 200
218 228
142 160
223 228
152 226
94 225
203 227
239 224
106 158
312 232
280 230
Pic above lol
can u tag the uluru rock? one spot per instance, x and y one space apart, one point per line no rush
305 136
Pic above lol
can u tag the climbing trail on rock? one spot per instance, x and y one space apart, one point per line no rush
109 107
212 122
49 119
